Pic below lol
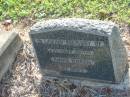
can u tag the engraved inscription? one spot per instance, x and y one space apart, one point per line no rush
77 70
65 51
75 54
71 60
71 42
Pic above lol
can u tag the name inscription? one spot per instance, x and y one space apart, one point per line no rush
71 42
71 60
65 51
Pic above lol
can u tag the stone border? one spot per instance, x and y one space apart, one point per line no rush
10 43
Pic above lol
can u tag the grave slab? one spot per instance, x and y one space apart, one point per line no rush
80 49
10 43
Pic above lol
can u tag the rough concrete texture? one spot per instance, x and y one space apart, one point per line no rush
10 43
96 27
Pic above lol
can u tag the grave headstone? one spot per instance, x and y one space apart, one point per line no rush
80 49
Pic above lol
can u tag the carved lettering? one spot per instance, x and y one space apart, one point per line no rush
71 42
65 51
77 70
72 61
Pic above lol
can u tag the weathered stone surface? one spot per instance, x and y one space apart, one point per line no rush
80 48
10 43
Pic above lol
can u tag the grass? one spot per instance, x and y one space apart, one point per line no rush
115 10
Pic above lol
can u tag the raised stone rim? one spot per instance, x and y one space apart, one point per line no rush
73 23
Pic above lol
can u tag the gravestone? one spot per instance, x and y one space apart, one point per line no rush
80 49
